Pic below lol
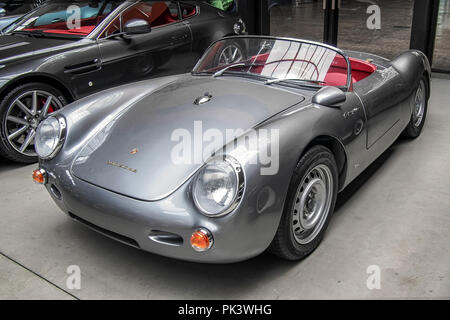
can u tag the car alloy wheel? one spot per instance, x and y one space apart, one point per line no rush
312 204
230 54
23 117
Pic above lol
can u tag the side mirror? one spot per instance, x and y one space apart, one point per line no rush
329 96
137 26
2 12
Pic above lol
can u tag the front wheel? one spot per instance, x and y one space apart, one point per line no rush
309 205
419 110
21 111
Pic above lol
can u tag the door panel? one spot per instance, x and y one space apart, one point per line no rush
157 53
354 135
82 69
382 95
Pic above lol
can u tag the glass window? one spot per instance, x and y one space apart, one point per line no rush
77 18
156 13
297 19
381 27
294 62
17 7
441 57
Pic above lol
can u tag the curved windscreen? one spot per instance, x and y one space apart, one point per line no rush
276 60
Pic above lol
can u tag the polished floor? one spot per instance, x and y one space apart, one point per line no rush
396 216
391 37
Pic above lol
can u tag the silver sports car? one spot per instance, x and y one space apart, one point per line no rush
246 153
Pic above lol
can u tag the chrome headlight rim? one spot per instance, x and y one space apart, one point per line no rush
61 136
240 178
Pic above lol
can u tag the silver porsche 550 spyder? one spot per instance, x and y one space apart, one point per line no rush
244 154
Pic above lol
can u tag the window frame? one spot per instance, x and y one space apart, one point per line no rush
130 5
197 10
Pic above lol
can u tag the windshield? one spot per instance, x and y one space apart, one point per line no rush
65 18
280 60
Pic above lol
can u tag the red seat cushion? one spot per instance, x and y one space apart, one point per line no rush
337 74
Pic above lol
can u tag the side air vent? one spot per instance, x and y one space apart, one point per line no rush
168 238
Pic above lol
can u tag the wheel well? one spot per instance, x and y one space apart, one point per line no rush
338 151
38 78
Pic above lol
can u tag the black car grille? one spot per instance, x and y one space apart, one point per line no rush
108 233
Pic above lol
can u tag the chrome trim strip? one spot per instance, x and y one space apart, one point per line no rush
13 45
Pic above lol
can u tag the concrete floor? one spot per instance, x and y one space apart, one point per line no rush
396 216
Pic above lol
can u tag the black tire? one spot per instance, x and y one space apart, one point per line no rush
7 150
414 127
285 243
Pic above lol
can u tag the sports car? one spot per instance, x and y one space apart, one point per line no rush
246 153
66 50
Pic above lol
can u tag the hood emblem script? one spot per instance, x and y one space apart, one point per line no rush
203 99
122 166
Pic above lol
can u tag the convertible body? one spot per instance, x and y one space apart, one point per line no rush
115 169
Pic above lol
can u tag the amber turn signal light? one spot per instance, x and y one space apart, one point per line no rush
39 176
201 240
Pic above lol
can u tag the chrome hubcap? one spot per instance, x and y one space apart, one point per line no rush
23 117
312 204
230 54
419 104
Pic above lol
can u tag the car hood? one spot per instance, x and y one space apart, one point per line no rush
14 47
133 155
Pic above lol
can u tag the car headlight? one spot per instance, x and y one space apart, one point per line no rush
218 187
50 136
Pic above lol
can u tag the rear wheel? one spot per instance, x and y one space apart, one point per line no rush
21 111
309 205
419 110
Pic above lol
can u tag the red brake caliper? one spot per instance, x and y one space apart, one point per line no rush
50 108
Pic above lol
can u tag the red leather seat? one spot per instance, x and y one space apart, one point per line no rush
337 74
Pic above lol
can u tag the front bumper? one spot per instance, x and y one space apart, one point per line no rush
238 236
